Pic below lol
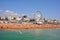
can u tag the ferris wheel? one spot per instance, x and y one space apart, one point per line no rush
37 15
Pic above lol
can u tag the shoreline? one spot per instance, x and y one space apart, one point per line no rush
4 26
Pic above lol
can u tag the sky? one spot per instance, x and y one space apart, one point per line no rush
48 8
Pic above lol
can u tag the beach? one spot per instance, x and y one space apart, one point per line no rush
27 26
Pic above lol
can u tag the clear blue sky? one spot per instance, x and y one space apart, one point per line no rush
48 8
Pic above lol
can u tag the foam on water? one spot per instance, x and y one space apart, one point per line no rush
30 34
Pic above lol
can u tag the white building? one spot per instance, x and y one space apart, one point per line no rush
18 18
3 17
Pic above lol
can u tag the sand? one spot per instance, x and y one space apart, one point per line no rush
27 26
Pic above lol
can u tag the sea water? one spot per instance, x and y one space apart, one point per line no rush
30 34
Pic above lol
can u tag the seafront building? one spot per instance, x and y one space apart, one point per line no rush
37 19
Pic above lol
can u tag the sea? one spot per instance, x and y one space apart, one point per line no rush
30 34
